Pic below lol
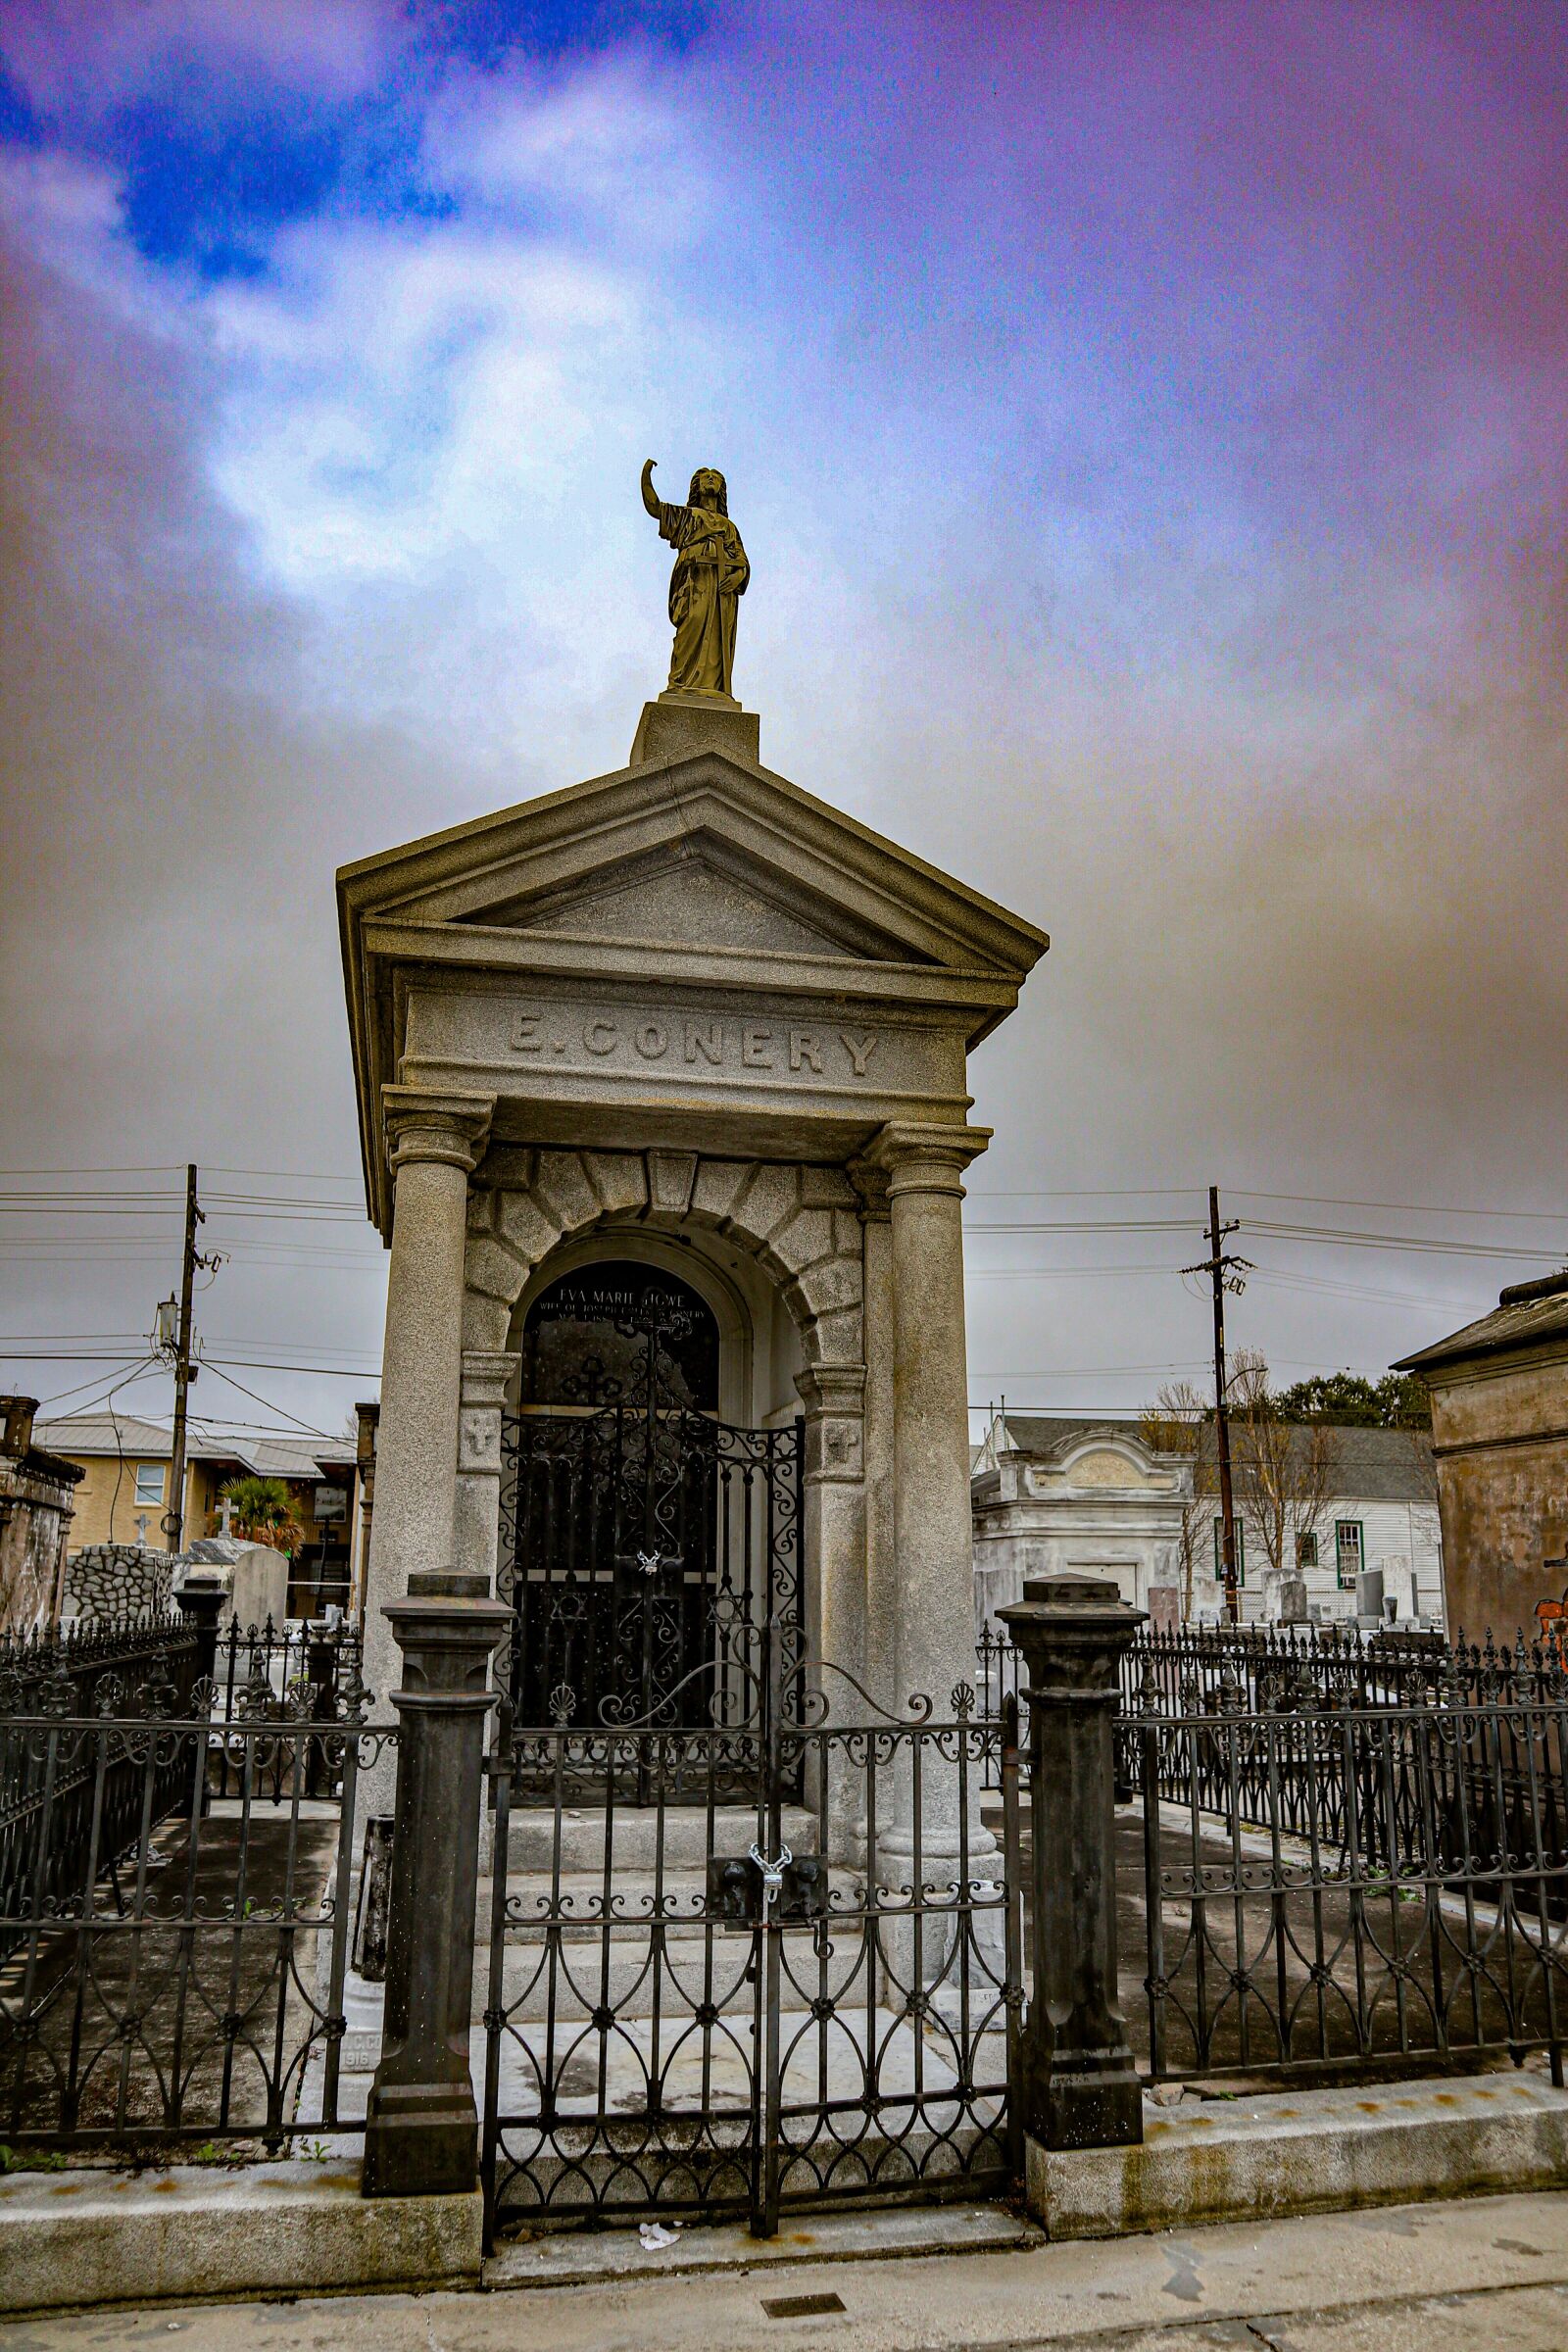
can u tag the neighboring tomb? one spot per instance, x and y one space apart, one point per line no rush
255 1579
37 1501
118 1583
1500 1424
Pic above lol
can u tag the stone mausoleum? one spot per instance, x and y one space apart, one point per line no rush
674 1061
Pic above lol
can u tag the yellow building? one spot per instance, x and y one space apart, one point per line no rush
123 1494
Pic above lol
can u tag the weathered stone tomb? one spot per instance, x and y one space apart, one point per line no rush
684 1018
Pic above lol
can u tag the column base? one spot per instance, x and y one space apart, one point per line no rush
421 2140
1084 2098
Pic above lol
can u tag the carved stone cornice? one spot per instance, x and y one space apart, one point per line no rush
421 1124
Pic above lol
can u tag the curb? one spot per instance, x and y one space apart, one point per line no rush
88 2240
1327 2151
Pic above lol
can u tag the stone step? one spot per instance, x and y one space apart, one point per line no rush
689 1835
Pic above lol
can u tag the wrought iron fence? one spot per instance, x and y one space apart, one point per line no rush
175 1957
1341 1886
61 1673
269 1674
1211 1670
102 1671
691 2008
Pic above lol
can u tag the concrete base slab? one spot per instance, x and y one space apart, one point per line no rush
1476 2277
584 2257
1315 2151
73 2240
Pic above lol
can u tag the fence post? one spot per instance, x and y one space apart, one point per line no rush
1079 2085
200 1601
422 2132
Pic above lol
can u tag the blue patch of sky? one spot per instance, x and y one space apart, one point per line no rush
485 32
210 172
19 125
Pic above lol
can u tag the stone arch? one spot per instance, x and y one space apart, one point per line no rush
799 1222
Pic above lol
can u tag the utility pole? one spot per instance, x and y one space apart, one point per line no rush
1225 1273
174 1515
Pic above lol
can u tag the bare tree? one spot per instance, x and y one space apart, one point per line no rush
1282 1472
1174 1424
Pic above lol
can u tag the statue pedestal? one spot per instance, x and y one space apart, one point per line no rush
680 724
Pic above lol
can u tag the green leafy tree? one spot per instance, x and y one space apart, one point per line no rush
1399 1401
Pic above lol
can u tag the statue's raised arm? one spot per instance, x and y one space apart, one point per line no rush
711 573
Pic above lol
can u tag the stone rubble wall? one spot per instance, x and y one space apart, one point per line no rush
112 1582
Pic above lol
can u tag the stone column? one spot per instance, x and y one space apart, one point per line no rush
422 2126
835 1539
933 1648
1081 2087
433 1145
881 1552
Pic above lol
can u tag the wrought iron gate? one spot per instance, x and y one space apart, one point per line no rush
645 1547
703 2007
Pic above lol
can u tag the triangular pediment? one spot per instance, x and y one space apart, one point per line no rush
702 892
703 853
695 881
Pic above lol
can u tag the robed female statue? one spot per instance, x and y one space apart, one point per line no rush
710 572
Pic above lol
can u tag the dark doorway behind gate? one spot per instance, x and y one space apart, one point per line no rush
653 1554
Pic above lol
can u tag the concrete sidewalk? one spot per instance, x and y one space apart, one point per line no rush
1491 2273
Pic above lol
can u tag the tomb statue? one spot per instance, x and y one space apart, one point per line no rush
710 572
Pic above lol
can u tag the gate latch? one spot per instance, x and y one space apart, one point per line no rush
772 1874
750 1888
648 1563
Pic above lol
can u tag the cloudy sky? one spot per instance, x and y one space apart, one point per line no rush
1145 424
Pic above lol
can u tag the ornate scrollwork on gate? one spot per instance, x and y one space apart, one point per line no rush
651 1554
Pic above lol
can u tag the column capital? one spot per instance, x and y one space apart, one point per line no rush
834 1398
425 1123
925 1159
487 1375
870 1184
831 1388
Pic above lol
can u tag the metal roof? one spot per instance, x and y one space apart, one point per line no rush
95 1436
112 1434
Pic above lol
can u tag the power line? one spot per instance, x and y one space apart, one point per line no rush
1182 1192
306 1426
142 1369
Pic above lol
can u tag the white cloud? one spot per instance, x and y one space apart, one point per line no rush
611 144
81 62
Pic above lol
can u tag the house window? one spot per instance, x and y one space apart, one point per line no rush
150 1484
1306 1551
1220 1552
1347 1553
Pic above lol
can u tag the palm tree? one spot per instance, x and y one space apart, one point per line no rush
263 1510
